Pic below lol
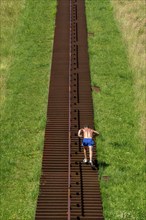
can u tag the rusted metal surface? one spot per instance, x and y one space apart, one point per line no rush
69 189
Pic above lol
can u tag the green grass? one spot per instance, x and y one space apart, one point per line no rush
9 17
115 117
130 17
24 111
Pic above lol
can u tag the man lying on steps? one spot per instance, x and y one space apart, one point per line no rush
87 134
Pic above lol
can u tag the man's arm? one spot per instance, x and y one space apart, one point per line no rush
96 132
79 133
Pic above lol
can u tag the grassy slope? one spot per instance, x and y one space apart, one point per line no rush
23 120
130 16
115 117
9 17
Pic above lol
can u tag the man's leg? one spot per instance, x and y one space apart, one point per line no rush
90 153
85 154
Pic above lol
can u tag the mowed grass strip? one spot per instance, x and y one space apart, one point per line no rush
120 151
9 17
24 115
131 18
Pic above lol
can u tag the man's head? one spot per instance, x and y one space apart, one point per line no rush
86 126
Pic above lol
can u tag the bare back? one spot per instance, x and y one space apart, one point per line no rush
87 132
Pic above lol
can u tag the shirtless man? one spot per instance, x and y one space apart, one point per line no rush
87 134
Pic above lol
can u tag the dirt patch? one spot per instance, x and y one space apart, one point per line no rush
90 34
106 178
96 88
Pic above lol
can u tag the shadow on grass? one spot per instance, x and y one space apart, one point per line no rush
101 165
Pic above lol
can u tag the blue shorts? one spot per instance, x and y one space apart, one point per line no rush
87 142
